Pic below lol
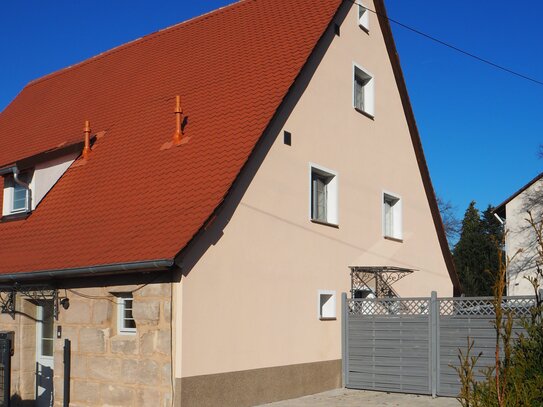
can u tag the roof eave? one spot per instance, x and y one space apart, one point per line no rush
501 207
99 270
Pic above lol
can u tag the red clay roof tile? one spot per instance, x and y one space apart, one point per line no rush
133 201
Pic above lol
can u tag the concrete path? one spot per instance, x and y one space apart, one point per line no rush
361 398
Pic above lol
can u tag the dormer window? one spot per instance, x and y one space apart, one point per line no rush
17 193
20 198
29 180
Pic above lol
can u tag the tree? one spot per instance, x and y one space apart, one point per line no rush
475 253
516 380
450 222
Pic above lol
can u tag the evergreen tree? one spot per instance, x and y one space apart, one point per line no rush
475 253
493 231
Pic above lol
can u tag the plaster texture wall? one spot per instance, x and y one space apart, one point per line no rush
248 297
521 240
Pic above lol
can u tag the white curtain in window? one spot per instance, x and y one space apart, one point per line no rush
319 198
389 219
359 93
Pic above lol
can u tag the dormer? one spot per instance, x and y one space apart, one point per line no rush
27 181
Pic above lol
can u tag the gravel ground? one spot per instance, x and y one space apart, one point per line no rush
361 398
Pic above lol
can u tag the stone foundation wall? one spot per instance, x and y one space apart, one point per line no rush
107 368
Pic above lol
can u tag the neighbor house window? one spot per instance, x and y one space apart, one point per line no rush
392 216
323 202
125 319
363 92
363 17
326 304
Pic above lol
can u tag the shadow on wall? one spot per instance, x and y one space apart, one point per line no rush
16 401
212 232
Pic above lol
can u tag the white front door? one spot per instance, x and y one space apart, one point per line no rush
44 354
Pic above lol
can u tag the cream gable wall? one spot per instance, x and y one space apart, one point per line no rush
250 297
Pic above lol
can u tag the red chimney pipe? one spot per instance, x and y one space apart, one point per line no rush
87 149
178 121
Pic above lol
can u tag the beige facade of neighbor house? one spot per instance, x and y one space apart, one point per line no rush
249 311
521 242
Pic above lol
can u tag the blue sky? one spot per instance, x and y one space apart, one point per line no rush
480 127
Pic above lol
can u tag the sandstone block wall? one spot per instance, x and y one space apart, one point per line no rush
107 368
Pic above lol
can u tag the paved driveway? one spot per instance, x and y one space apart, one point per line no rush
361 398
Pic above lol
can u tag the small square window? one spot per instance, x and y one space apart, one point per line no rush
323 203
392 216
327 304
363 18
363 92
125 319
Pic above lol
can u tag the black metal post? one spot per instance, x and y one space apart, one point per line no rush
67 365
7 372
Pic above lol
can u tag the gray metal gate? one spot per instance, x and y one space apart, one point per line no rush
409 345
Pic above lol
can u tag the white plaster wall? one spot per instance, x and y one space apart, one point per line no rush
251 300
521 241
47 174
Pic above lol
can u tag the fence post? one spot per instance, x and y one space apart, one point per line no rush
434 316
344 344
67 365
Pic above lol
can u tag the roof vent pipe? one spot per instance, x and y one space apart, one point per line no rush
178 121
87 149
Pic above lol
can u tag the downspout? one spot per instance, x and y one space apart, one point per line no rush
24 185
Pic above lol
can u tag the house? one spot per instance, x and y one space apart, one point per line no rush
193 249
521 244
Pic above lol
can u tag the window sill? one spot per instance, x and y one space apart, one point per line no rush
121 335
366 30
394 239
320 222
368 115
15 216
327 318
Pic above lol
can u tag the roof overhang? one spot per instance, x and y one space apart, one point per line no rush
100 270
500 209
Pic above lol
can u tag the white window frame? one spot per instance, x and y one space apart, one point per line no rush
369 90
397 220
332 200
326 311
9 196
121 305
364 20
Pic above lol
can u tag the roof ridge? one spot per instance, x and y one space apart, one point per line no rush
140 40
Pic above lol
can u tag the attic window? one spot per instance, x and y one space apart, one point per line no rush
363 18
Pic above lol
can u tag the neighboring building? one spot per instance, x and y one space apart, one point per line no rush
521 244
206 269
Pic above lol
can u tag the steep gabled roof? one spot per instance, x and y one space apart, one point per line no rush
133 201
135 205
